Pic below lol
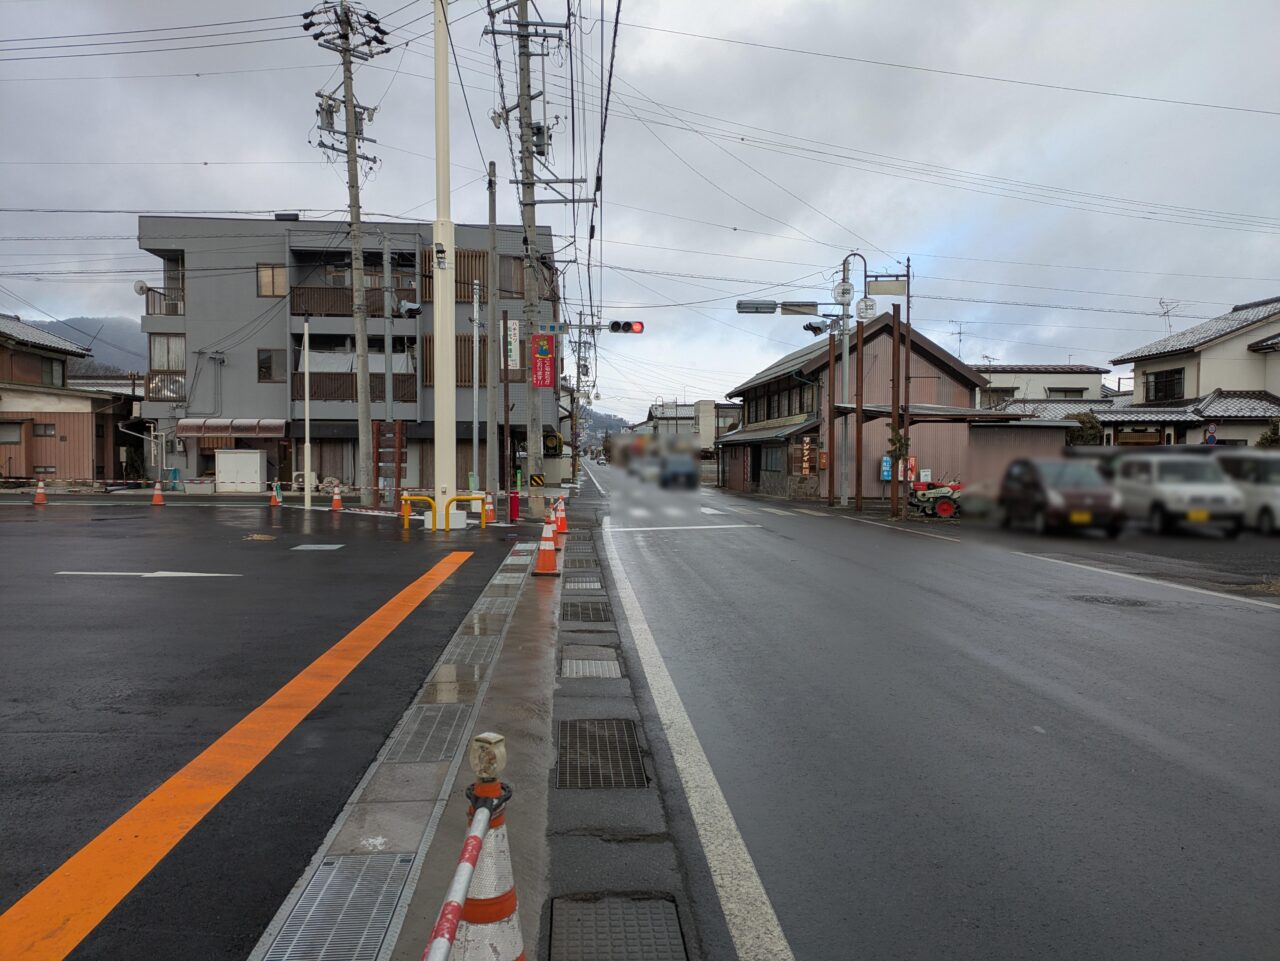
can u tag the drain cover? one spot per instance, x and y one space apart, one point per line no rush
589 611
494 605
579 563
317 547
579 535
432 732
470 650
582 584
345 910
1110 600
599 754
508 579
574 667
579 548
616 929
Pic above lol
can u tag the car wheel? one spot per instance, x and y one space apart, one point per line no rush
1039 522
1006 518
1232 532
1266 522
1159 520
1114 530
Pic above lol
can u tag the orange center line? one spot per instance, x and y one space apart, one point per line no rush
59 912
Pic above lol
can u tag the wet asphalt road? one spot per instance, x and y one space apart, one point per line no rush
941 749
110 685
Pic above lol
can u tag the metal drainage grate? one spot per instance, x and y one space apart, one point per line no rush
578 536
616 929
506 580
574 667
588 611
583 584
579 548
494 605
344 913
432 732
470 650
599 754
579 563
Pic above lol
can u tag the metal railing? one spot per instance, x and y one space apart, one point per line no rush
166 301
322 301
342 386
166 385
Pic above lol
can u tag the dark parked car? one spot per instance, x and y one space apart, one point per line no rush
678 471
1056 494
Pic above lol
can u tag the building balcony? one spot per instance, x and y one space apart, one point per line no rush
167 386
166 302
342 386
337 301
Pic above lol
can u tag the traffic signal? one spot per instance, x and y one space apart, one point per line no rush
626 327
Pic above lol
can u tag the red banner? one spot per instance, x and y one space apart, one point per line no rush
544 360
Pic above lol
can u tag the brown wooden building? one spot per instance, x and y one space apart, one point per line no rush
784 445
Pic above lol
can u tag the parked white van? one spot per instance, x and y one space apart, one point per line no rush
1171 489
1257 474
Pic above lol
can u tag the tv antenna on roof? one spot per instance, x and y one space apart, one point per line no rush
1167 307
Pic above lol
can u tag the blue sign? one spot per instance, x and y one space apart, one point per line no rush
886 468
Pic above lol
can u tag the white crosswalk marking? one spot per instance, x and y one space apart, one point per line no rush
672 511
738 510
802 510
638 511
710 510
774 510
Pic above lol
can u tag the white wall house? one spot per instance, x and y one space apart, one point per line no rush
1038 382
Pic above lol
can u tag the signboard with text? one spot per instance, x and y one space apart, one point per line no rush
513 343
544 360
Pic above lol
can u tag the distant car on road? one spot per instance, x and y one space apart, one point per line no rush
601 462
1056 494
1174 489
678 470
1257 474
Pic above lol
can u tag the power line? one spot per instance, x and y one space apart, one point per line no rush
117 33
122 53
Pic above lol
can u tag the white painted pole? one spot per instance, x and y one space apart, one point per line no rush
442 240
475 384
306 412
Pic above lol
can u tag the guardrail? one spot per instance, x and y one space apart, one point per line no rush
463 497
406 508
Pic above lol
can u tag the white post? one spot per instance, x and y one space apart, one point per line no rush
442 240
306 412
475 383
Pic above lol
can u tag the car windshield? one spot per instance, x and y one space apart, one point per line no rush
1070 474
1191 472
1269 471
680 463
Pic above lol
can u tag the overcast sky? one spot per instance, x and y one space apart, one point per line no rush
743 168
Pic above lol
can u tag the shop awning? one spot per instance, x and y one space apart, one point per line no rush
226 427
767 435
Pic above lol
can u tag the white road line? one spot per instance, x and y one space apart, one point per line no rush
738 510
690 527
748 912
143 574
774 510
903 530
672 511
593 479
710 510
1152 580
638 511
804 510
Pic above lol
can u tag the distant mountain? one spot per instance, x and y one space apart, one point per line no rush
116 342
594 424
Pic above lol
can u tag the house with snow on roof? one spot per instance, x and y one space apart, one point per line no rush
1217 382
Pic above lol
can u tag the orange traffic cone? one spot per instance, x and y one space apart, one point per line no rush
490 515
157 499
275 495
336 503
546 563
562 519
489 927
40 499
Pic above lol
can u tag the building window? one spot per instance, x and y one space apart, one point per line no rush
773 458
44 430
10 433
806 398
271 367
44 470
272 280
993 397
167 378
773 405
52 372
1066 393
1163 385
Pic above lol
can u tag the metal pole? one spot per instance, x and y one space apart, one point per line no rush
831 419
443 293
844 392
532 266
906 374
492 482
573 409
306 412
475 384
508 474
857 426
388 417
364 415
895 421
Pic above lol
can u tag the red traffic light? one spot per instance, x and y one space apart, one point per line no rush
626 327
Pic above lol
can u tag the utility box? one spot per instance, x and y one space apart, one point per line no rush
240 471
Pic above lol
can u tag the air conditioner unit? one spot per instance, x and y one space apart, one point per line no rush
172 308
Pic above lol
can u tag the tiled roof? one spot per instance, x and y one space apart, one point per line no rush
1053 409
1220 405
1039 369
792 361
1241 316
1267 343
35 336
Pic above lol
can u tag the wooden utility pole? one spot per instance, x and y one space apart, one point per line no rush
493 344
895 418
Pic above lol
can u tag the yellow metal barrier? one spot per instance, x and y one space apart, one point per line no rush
406 508
463 497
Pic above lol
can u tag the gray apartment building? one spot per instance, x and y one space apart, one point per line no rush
225 342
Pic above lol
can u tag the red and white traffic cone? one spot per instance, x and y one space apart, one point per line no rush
546 562
490 515
40 499
336 503
489 929
157 499
275 495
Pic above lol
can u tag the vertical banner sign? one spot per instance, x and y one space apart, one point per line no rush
544 360
805 457
906 468
513 343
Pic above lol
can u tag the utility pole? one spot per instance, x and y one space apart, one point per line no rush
844 388
831 418
532 264
475 386
353 34
443 292
895 422
906 377
306 412
573 409
494 345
